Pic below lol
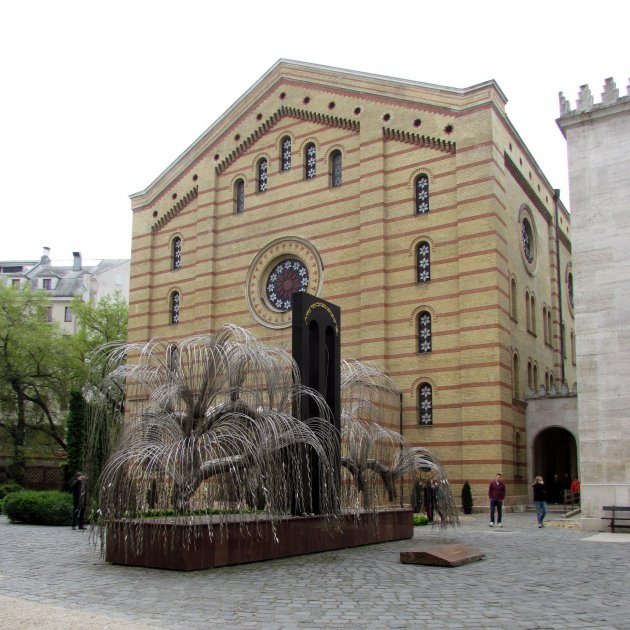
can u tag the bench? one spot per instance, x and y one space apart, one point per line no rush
619 513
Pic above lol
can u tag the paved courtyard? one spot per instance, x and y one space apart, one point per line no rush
52 578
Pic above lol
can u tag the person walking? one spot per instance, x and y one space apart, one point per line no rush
496 494
77 487
540 499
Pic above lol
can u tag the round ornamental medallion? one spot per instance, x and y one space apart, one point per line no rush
283 267
528 238
287 277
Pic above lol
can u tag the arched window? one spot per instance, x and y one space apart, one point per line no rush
174 307
262 175
530 375
547 380
423 262
310 161
527 313
545 331
532 312
425 404
550 379
513 300
422 194
285 154
549 328
177 252
570 290
335 168
173 357
239 195
572 348
516 389
535 377
424 332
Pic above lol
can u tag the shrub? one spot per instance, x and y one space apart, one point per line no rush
39 507
467 500
8 488
420 519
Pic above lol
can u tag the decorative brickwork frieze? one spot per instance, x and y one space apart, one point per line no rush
176 209
292 112
415 138
527 189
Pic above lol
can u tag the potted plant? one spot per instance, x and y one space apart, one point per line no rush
467 500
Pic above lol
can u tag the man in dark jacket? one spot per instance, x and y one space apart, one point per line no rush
496 494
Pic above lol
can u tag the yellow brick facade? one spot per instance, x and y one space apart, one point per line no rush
482 181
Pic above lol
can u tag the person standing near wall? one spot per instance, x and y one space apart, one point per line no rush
540 499
496 494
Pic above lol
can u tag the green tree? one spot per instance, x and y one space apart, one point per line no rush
75 434
100 323
101 326
37 368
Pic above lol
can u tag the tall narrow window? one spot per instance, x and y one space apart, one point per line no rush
527 312
310 161
425 404
572 348
239 195
424 332
549 328
532 312
545 331
67 316
335 168
175 307
546 380
513 300
516 389
423 262
422 194
535 377
285 156
262 175
49 314
173 357
177 252
530 375
47 284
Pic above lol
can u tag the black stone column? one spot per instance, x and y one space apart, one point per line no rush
317 352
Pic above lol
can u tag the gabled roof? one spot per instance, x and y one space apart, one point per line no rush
440 98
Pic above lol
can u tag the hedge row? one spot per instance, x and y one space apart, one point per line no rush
33 507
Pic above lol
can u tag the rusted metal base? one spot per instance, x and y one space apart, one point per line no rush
442 555
173 544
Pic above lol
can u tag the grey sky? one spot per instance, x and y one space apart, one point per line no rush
99 97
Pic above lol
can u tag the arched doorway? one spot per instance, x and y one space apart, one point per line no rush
555 453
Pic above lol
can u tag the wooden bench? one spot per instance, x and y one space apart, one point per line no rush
619 513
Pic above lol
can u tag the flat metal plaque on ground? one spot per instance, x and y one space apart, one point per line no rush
442 555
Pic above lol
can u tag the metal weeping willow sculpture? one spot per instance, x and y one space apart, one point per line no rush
212 428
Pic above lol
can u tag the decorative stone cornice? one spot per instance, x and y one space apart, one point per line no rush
525 186
292 112
415 138
176 209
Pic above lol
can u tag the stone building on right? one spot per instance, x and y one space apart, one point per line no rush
598 145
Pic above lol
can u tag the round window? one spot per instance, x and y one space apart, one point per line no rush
528 241
287 277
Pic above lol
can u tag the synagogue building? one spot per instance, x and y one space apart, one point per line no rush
416 208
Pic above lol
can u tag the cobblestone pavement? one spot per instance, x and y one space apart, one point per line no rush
50 577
